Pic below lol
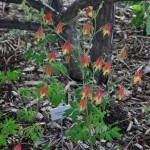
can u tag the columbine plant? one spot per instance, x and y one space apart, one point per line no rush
88 110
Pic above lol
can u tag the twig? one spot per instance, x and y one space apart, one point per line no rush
131 141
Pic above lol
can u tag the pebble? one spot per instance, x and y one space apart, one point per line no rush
14 93
108 144
138 146
39 116
101 148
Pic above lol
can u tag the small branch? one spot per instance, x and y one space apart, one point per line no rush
21 25
72 11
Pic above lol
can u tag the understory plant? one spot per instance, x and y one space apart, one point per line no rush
89 101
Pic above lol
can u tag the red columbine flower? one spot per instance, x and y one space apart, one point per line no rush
98 64
48 18
121 93
98 97
86 92
106 29
87 28
67 59
52 56
107 67
137 76
44 91
82 104
85 61
40 33
18 147
49 70
66 48
89 11
59 28
123 53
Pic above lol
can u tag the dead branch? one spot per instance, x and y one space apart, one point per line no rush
21 25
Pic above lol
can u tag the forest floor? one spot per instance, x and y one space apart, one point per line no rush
136 133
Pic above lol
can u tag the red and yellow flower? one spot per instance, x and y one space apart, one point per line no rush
48 18
66 48
40 33
44 91
86 92
59 28
121 93
49 70
98 97
84 61
82 104
67 59
106 29
98 64
52 56
18 147
107 67
89 11
87 28
137 77
123 53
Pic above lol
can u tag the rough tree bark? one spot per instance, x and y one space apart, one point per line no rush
102 46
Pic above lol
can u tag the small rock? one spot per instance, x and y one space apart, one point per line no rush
29 69
85 146
14 93
138 146
147 131
146 70
139 89
43 109
108 144
46 102
48 108
1 101
39 116
101 148
55 125
13 110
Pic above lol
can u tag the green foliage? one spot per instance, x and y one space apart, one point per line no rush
10 76
56 92
140 14
8 127
34 132
58 68
25 115
147 112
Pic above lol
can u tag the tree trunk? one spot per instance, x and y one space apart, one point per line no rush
102 46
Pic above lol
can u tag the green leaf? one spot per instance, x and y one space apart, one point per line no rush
28 54
137 21
115 132
55 99
51 38
58 68
137 7
8 127
108 136
2 140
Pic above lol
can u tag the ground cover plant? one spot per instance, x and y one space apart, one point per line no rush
98 117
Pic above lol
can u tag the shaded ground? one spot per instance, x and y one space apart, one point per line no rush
14 42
